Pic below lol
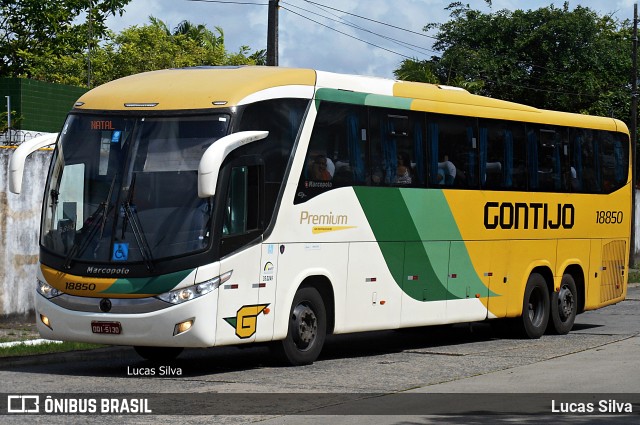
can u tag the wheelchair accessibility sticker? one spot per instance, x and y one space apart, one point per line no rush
120 252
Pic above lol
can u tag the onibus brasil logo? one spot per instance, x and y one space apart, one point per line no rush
246 319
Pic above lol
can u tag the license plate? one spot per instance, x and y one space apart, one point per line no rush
114 328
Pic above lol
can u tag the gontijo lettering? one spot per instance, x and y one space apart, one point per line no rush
534 215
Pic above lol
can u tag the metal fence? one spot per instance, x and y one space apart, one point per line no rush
15 137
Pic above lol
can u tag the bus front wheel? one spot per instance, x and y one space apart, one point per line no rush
535 307
564 306
307 329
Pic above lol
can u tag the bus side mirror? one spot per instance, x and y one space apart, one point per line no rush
17 160
215 154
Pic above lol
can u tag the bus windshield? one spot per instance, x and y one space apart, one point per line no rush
124 189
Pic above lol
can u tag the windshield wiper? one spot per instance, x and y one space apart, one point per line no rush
99 216
132 216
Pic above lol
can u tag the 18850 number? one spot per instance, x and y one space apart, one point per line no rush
609 217
76 286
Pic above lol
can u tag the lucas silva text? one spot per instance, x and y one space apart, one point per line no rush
603 406
154 371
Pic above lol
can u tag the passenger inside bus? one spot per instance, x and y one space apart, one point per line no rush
446 172
404 171
320 168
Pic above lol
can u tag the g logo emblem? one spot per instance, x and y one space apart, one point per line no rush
246 320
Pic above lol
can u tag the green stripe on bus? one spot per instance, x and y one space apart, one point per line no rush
147 285
422 220
388 101
342 96
357 98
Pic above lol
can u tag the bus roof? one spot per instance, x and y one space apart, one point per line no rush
214 87
191 88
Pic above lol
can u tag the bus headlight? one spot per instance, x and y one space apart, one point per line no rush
47 290
181 295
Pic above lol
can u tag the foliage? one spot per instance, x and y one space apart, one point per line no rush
143 48
34 28
50 347
4 124
552 58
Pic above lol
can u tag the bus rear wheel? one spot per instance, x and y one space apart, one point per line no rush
535 307
307 329
564 306
156 354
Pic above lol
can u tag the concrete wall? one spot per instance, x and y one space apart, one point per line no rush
19 228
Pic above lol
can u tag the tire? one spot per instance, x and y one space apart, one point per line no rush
307 329
535 307
564 306
156 354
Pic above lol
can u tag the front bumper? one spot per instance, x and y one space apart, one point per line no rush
154 328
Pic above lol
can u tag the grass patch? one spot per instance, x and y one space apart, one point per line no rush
46 348
634 276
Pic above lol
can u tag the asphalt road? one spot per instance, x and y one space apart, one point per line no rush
459 374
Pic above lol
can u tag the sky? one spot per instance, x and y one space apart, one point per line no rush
334 35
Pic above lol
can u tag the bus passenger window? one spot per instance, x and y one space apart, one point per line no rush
336 154
548 156
396 148
613 161
453 151
502 155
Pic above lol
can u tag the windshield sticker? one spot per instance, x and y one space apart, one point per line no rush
115 137
120 252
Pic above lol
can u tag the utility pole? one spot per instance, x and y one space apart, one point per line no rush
272 34
634 133
90 42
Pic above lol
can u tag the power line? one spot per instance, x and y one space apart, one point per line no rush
231 2
344 33
399 42
410 46
372 20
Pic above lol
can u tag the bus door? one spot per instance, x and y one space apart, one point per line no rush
239 308
424 283
468 281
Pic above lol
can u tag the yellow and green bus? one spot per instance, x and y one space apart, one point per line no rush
214 206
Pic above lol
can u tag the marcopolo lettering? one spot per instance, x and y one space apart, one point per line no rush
107 270
534 215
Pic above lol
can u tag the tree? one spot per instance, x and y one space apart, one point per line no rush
552 58
143 48
34 28
4 122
